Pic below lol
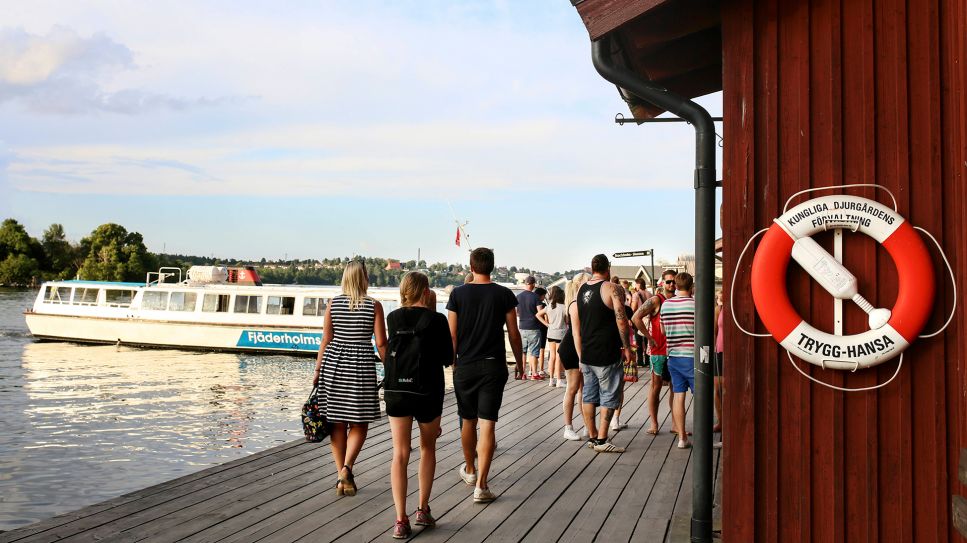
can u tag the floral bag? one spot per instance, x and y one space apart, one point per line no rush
314 422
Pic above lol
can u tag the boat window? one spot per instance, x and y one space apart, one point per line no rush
248 304
215 303
279 305
182 301
59 295
119 298
314 306
85 296
155 300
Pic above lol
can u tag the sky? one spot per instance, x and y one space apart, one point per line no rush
320 129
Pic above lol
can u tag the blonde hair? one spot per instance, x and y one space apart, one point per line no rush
413 287
355 282
573 286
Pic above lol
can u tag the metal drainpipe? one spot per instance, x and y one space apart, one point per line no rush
701 528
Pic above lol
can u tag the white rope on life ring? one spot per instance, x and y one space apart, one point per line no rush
891 332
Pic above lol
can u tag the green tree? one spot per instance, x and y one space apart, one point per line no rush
14 240
18 269
61 259
114 254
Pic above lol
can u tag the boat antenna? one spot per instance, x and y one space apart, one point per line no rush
461 227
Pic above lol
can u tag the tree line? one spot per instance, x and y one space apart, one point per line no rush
109 253
112 253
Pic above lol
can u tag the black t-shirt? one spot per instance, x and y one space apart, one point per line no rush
481 314
435 341
527 302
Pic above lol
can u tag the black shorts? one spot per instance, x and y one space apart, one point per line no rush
423 408
567 353
479 388
543 337
718 364
552 340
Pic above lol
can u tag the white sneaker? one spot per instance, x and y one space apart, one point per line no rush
561 383
483 495
717 445
469 478
608 447
570 434
551 382
616 426
584 433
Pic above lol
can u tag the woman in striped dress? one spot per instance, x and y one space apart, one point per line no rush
346 368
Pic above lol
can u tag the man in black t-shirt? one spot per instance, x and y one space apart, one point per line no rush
477 313
530 328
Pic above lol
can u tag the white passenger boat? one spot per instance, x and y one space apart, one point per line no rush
215 308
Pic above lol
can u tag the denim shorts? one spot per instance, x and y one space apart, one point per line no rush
602 384
682 369
531 340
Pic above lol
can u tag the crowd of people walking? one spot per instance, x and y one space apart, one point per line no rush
584 338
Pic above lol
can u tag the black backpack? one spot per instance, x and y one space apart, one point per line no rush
403 373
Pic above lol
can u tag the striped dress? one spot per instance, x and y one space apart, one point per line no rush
348 391
678 318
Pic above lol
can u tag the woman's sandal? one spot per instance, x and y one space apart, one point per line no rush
348 482
339 489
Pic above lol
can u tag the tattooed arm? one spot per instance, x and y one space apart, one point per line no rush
638 319
617 297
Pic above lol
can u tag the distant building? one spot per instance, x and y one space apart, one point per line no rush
561 283
393 265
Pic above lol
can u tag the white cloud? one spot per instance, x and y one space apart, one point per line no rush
64 73
457 100
27 59
441 158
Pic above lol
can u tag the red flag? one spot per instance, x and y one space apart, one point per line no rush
458 236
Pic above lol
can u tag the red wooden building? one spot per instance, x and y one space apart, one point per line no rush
824 93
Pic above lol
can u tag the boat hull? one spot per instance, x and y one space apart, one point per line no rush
176 334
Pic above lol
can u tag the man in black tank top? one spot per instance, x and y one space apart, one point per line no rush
601 339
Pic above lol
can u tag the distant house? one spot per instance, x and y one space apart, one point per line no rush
649 273
561 283
393 265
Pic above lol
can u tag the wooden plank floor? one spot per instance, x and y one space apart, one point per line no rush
549 489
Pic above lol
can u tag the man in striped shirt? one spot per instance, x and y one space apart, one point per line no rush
678 324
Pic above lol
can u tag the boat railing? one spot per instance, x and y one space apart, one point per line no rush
162 274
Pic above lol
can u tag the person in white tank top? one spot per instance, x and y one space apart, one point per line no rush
552 316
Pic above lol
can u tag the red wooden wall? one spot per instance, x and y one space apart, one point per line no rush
830 92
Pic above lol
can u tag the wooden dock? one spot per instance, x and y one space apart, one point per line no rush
548 489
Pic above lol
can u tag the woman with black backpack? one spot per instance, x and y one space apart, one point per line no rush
419 347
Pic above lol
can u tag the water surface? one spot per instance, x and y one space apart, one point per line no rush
81 424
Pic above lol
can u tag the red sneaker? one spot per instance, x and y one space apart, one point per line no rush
402 530
424 518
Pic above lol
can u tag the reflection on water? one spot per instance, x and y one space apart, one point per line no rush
81 424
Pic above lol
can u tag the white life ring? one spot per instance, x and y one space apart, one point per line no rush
891 332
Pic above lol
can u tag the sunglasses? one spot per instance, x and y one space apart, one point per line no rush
670 282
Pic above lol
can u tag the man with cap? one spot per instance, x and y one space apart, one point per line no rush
530 329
